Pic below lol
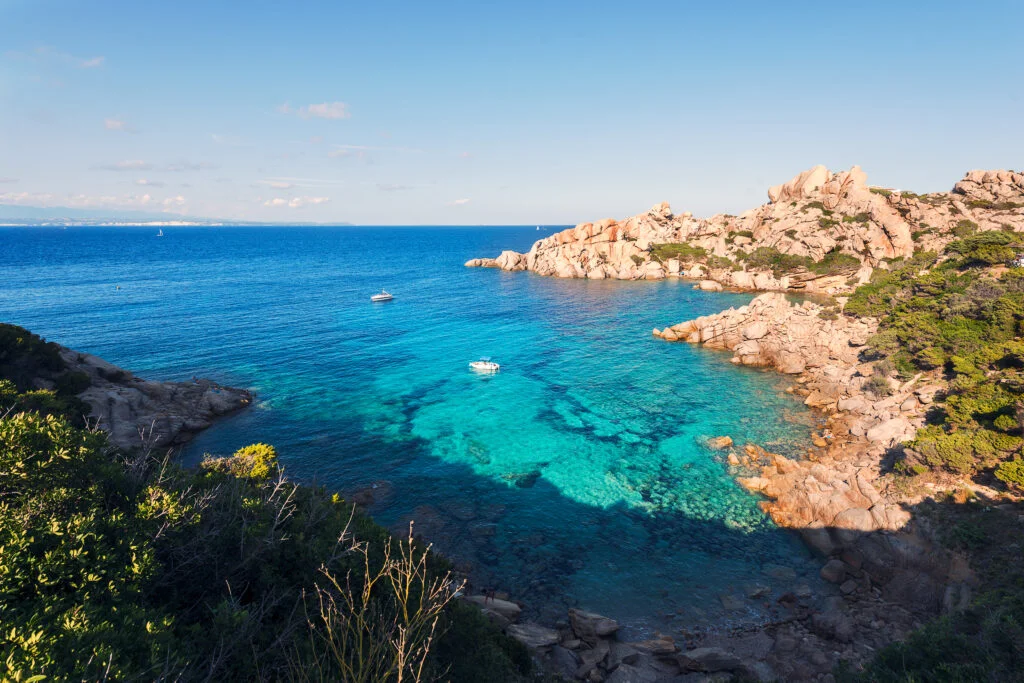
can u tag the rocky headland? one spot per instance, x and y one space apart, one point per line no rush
821 232
135 413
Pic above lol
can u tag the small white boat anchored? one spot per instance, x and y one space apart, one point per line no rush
383 296
485 365
160 232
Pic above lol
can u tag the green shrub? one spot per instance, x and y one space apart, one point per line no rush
256 461
72 383
878 386
1006 423
994 206
834 263
964 227
770 258
721 263
683 252
987 248
637 259
1011 473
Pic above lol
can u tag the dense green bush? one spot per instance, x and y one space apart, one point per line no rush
964 228
684 252
987 248
121 567
958 319
835 262
1011 473
770 258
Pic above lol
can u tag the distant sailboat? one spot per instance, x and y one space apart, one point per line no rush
538 227
160 233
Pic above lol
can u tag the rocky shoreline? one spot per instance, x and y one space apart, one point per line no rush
138 413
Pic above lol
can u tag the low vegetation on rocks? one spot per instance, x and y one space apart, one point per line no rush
123 566
959 316
965 321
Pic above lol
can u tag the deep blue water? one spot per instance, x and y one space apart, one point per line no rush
576 475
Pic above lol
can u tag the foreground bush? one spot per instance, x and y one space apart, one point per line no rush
116 567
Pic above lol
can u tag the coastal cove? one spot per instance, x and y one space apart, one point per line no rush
578 475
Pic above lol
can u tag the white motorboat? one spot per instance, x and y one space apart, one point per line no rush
383 296
485 365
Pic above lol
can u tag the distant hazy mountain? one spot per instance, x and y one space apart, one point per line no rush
12 213
33 215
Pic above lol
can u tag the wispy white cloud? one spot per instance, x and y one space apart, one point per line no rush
47 53
386 187
295 202
338 150
458 202
308 182
188 166
119 125
345 152
129 165
465 155
149 183
140 165
316 140
25 197
324 110
279 184
4 180
124 201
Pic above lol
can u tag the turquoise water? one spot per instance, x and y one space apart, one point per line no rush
574 476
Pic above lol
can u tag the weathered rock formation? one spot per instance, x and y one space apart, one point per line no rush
831 499
140 413
815 213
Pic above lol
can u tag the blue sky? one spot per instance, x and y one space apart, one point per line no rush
493 113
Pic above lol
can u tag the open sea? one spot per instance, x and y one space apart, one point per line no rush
575 476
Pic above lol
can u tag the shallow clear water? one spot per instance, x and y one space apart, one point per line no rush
575 475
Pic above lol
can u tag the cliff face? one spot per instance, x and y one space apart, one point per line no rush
814 214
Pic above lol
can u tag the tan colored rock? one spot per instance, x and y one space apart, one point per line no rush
719 443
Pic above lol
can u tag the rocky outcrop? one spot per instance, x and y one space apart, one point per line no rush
992 186
139 413
586 648
814 214
832 498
